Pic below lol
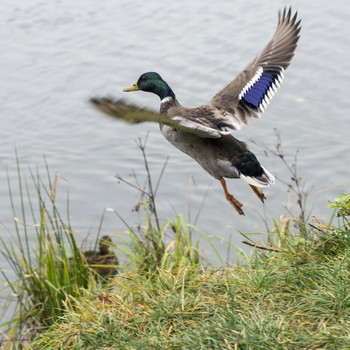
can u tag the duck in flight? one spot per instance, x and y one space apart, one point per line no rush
205 132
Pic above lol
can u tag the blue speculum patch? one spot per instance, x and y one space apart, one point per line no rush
254 96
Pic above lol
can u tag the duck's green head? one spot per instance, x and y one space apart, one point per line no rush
152 82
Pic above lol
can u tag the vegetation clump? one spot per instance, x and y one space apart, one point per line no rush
293 298
290 293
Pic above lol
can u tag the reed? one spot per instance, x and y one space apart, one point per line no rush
45 262
157 243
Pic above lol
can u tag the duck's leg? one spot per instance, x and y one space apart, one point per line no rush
233 201
258 192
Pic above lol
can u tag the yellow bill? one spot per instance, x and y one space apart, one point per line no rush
134 87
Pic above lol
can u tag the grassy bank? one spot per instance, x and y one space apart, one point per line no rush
295 298
290 293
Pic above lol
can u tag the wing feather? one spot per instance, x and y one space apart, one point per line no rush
249 93
133 114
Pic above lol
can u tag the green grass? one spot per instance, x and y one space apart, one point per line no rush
295 298
46 263
274 300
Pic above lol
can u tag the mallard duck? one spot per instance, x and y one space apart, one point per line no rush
204 133
103 261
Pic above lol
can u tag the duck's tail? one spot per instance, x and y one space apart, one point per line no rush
264 180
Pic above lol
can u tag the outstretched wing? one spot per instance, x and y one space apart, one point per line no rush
133 114
249 93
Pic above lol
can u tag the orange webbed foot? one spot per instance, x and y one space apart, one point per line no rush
237 205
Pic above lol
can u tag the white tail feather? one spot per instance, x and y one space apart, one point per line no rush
265 180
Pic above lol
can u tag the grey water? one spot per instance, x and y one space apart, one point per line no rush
57 54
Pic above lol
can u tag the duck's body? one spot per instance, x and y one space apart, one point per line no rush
204 133
103 261
224 156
